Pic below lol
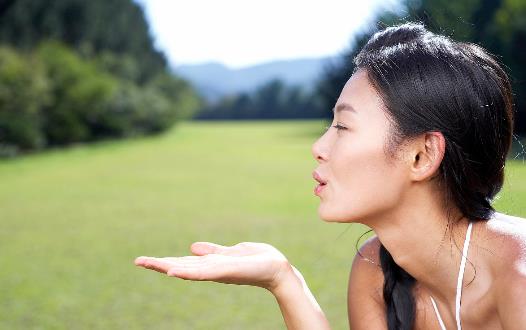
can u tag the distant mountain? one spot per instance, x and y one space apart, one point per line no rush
214 80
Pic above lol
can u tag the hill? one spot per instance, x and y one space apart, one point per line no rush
214 80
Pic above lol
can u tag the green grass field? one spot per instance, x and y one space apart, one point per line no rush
72 221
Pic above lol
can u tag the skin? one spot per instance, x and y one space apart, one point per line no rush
397 195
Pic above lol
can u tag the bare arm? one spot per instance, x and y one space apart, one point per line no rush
511 296
297 304
364 297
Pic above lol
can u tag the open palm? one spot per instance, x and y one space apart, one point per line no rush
246 263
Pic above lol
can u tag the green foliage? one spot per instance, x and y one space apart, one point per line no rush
455 18
23 94
510 20
273 100
336 74
55 97
80 94
79 71
123 66
90 27
137 111
155 113
178 92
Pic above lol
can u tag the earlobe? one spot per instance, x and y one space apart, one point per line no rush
429 152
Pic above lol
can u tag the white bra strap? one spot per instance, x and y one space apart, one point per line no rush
442 326
461 276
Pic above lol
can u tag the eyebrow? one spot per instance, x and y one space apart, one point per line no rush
343 107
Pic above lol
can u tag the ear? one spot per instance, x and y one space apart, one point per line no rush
426 154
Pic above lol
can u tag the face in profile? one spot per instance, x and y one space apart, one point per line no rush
363 181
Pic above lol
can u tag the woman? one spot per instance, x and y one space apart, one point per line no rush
416 151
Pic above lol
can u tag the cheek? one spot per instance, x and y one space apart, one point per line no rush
362 173
364 181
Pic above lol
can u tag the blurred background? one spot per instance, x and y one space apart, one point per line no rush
134 128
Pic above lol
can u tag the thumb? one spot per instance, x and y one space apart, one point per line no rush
203 248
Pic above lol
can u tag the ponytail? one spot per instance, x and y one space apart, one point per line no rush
398 295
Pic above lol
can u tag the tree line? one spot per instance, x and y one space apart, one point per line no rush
272 100
79 71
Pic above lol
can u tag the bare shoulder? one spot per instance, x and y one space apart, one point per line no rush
364 296
505 236
508 245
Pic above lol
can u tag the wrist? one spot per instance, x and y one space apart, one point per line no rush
289 280
297 304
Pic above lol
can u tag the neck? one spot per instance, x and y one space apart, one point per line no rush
425 241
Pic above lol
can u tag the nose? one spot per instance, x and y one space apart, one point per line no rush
320 150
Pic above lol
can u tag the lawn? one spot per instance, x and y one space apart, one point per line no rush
72 221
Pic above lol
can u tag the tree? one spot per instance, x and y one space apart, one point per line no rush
90 27
23 94
80 94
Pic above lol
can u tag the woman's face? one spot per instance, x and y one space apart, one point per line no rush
362 180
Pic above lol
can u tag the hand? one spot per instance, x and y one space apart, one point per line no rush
247 263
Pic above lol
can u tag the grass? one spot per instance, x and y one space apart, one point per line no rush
72 221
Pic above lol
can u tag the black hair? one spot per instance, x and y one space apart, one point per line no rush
429 82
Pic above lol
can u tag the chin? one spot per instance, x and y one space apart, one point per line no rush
330 215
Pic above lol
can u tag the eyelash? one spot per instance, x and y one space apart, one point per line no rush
337 126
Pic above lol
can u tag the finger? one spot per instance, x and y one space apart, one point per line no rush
139 261
210 269
194 274
203 248
155 264
162 265
186 260
143 260
190 264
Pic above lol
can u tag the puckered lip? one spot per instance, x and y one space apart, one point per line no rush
318 178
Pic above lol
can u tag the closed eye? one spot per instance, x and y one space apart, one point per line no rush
339 127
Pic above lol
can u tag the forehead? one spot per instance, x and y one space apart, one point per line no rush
358 97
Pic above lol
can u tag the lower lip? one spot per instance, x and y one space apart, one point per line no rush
318 189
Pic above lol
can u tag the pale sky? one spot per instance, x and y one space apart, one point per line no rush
240 33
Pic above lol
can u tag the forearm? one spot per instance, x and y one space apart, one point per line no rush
297 304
